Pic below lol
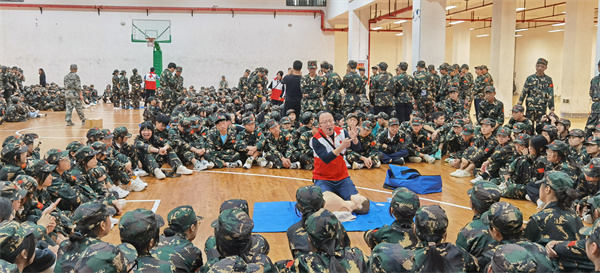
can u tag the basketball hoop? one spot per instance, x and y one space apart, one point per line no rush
150 41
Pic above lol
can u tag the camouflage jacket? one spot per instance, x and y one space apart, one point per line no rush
459 260
260 246
243 83
351 258
421 140
123 83
150 264
494 111
368 147
526 121
8 172
423 90
475 237
312 88
484 147
396 233
254 138
180 252
538 252
135 79
167 81
503 154
572 256
333 83
595 89
63 187
72 82
538 92
438 82
66 260
398 142
215 144
143 145
115 83
383 89
352 83
466 84
553 223
404 88
454 106
303 146
281 146
481 82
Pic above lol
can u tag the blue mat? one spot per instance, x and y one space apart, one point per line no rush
279 216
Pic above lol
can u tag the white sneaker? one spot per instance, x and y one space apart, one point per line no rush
158 173
448 160
357 166
183 170
429 159
502 186
477 179
209 165
238 164
454 173
134 185
121 193
113 222
122 202
198 166
527 197
377 165
270 165
248 163
540 204
140 173
139 180
262 161
295 165
415 159
463 173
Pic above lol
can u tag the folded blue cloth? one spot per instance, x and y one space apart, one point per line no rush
279 216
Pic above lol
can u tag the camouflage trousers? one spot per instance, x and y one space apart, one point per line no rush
425 106
307 160
593 119
355 157
129 152
167 101
471 153
277 163
313 105
125 99
469 102
73 101
115 98
135 99
188 156
220 158
351 104
153 161
535 113
514 191
333 101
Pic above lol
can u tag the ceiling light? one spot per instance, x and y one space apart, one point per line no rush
563 12
556 30
450 7
518 35
400 22
471 29
377 28
559 24
520 9
521 29
482 35
456 22
399 34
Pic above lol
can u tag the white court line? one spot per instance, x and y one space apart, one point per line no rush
154 207
363 188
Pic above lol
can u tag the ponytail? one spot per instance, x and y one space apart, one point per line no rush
565 198
85 228
435 262
328 248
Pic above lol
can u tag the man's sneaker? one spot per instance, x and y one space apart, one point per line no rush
357 166
139 180
295 165
121 193
140 173
158 173
454 173
438 155
377 165
134 186
477 179
429 159
463 173
262 162
70 123
198 166
415 159
183 170
248 163
239 164
209 165
399 161
527 197
270 165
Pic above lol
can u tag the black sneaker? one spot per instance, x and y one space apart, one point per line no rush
69 123
399 161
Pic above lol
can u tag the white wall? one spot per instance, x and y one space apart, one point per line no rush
206 45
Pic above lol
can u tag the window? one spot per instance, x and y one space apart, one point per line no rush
312 3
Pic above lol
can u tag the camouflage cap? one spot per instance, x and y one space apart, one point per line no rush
483 66
74 146
417 121
123 71
458 123
512 258
367 125
10 139
26 182
134 70
518 108
489 122
577 133
235 204
592 141
29 138
387 257
84 152
324 65
220 117
290 111
12 191
12 235
383 65
542 61
592 169
484 192
9 267
102 257
549 128
179 69
186 124
522 139
403 65
452 89
174 121
38 166
93 132
360 114
100 147
312 64
53 156
73 66
489 89
233 263
352 64
321 227
519 127
234 225
431 220
352 115
457 115
468 130
564 121
182 218
106 134
10 150
38 231
139 225
558 145
196 122
383 115
115 71
592 232
504 217
421 64
404 201
286 120
556 180
394 121
91 210
309 198
271 124
456 67
248 120
121 131
432 67
465 66
504 131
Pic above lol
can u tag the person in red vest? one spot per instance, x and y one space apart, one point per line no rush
150 85
277 89
330 173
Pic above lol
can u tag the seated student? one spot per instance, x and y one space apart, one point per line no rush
592 150
512 258
141 228
433 254
420 146
305 152
14 157
454 141
16 112
454 104
306 120
520 170
73 147
491 108
119 166
503 155
154 152
556 221
562 128
506 227
558 156
92 223
518 116
253 142
403 207
121 136
367 156
221 147
233 236
279 151
392 143
329 254
309 200
475 237
550 132
32 141
287 126
105 257
480 151
575 139
387 257
438 129
176 244
181 137
382 123
153 110
291 113
17 247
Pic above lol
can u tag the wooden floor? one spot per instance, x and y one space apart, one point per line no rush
206 190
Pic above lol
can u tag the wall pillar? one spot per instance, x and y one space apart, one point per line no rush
358 34
502 60
461 43
407 44
429 31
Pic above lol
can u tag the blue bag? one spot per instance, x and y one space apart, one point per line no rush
402 176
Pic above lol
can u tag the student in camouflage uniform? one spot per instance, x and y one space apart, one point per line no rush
73 96
498 162
179 89
105 257
312 86
592 243
136 88
520 170
176 244
14 157
387 257
454 104
16 112
382 90
140 228
404 85
329 255
92 223
392 144
562 127
420 146
154 151
577 152
368 155
538 92
243 82
432 254
17 246
221 146
304 151
352 84
422 94
115 98
331 91
182 139
483 80
466 85
480 151
438 82
506 227
253 142
592 150
403 207
454 141
475 237
152 110
167 82
491 107
124 90
518 116
279 151
62 181
512 258
594 117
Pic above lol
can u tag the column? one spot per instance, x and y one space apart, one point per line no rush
502 60
579 23
429 31
461 43
358 35
407 45
597 46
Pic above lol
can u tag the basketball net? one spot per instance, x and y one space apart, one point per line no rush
150 42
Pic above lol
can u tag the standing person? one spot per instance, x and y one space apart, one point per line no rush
136 88
332 94
382 90
311 86
167 82
124 90
594 117
150 85
403 92
42 77
466 85
538 92
73 96
423 96
352 84
277 89
483 80
223 83
115 98
293 94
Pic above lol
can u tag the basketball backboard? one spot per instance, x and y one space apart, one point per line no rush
141 29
